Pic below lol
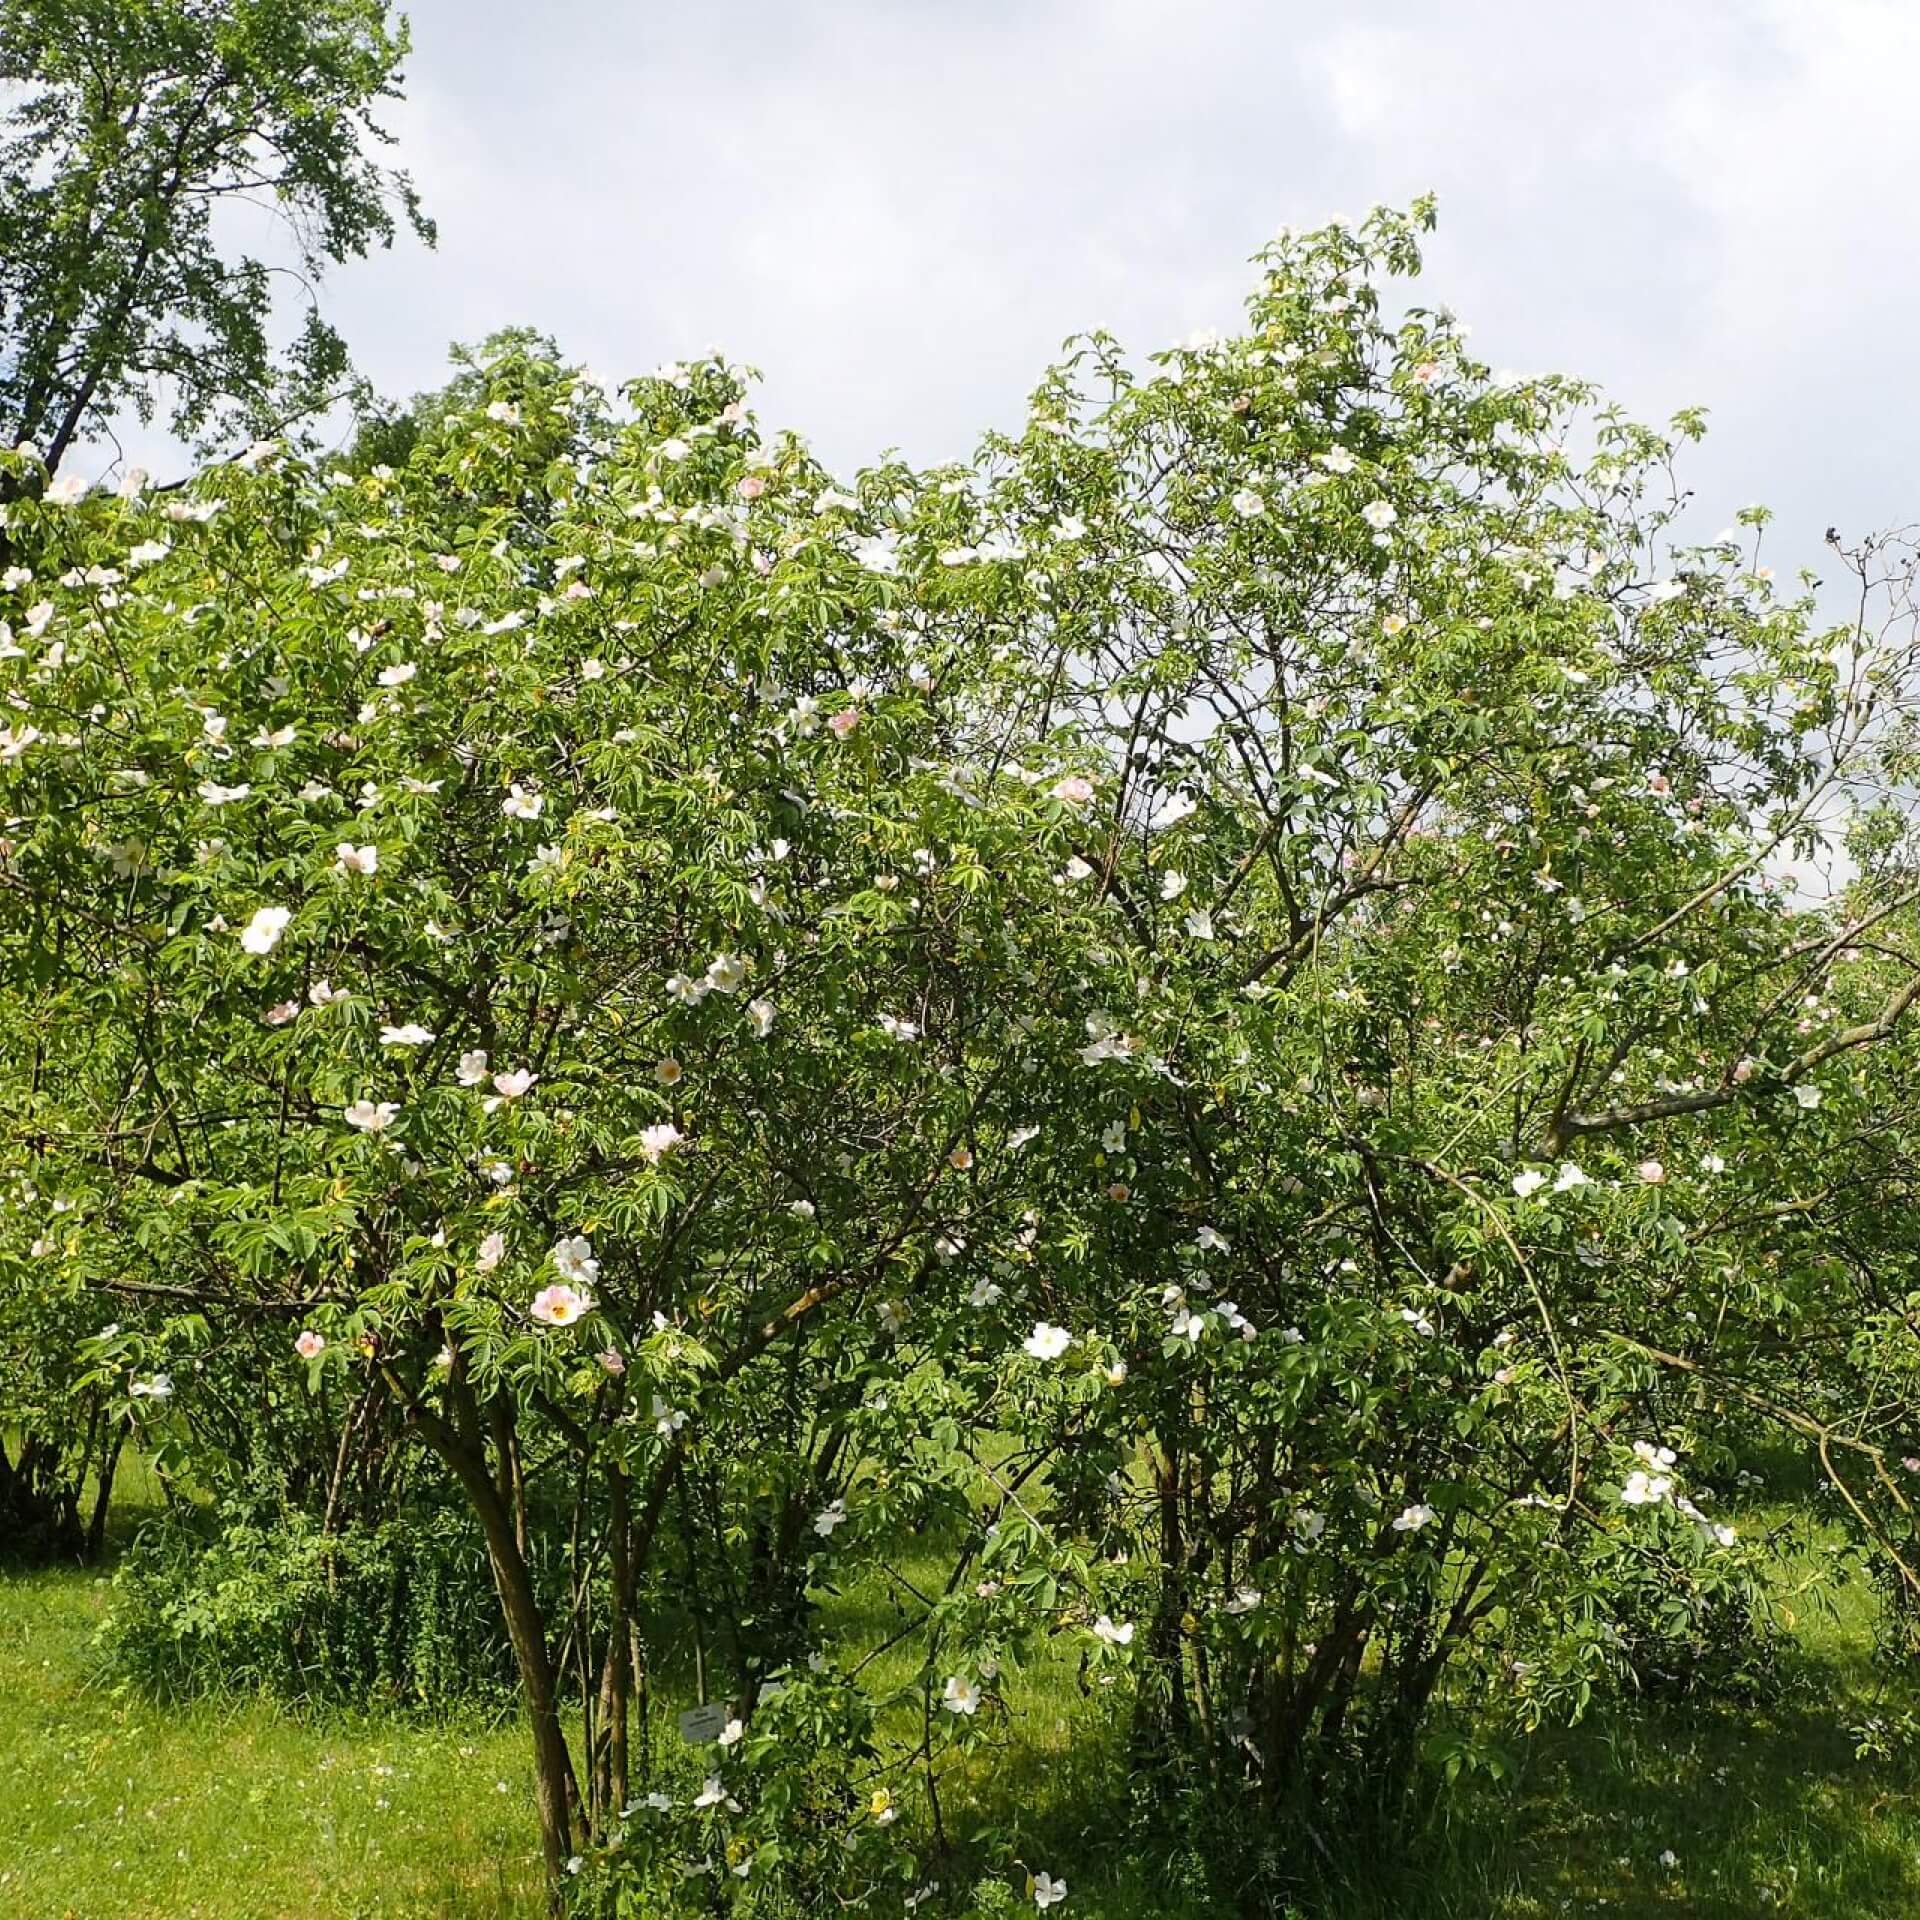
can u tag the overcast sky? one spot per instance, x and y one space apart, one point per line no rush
897 209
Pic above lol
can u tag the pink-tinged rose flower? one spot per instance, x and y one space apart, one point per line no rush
561 1306
844 722
310 1345
1659 783
1075 790
612 1361
1743 1072
1652 1172
752 487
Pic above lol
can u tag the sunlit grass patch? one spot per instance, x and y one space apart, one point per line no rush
115 1809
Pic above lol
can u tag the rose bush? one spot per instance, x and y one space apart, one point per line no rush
1190 1042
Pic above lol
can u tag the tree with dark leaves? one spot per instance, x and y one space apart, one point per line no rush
126 127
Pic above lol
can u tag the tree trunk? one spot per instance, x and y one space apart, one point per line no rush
103 1494
39 1508
555 1790
609 1772
1162 1712
554 1787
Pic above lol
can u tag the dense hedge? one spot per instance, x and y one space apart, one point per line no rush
398 1616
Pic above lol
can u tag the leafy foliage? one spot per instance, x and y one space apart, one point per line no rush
131 125
401 1617
1187 1039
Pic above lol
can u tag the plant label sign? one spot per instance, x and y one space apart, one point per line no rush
701 1726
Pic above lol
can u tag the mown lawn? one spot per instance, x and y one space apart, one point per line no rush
114 1809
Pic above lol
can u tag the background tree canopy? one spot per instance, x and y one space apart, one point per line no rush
131 126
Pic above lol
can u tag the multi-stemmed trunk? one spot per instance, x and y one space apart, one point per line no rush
46 1511
496 1496
1163 1712
608 1776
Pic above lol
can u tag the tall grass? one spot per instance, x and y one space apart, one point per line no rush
114 1808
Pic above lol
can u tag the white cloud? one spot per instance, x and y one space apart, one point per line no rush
898 212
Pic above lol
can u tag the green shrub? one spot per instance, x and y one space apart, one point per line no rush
400 1616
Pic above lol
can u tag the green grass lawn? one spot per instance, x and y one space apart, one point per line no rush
114 1809
1766 1811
